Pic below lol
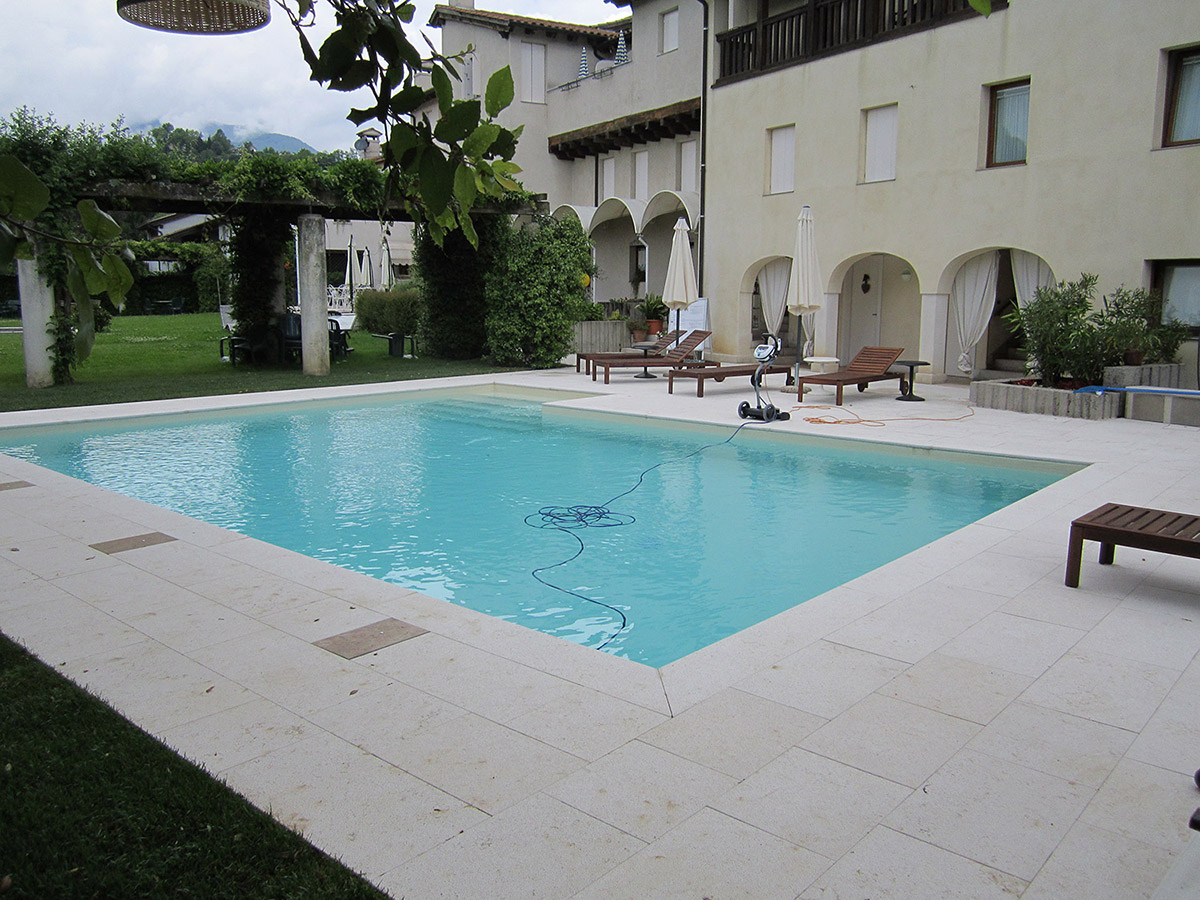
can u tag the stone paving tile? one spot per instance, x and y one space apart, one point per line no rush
734 732
823 679
485 764
51 557
641 790
957 687
1147 636
542 848
1058 744
369 814
237 735
59 627
999 814
587 723
813 802
711 855
893 739
1146 803
887 865
1099 865
1013 643
1109 689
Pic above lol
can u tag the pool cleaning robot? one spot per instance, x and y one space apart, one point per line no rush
764 353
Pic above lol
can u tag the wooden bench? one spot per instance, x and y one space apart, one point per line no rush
719 373
1131 526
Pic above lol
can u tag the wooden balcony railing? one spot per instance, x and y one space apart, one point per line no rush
823 27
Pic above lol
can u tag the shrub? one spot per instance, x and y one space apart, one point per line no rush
1056 328
451 280
536 290
399 309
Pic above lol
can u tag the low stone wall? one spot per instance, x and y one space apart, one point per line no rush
1158 375
1046 401
602 336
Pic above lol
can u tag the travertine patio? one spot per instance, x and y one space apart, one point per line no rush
955 724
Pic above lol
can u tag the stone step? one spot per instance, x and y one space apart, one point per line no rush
993 375
1010 365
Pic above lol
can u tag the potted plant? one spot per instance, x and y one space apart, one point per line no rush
653 310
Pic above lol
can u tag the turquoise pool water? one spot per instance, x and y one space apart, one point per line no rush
432 491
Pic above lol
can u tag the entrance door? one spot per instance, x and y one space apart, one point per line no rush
864 305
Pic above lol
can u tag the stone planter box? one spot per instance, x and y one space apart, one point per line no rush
1158 375
603 336
1047 401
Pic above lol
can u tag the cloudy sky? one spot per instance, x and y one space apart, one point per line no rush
80 62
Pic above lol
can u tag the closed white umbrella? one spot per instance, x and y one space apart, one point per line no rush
366 273
805 292
679 290
385 266
349 282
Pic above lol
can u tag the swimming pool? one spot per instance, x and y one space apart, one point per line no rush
433 490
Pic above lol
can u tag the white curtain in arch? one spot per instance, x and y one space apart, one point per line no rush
973 295
1030 272
772 287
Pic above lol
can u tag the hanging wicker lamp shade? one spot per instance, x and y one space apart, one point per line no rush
197 16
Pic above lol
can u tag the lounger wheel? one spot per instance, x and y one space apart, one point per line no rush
743 409
861 388
769 413
1197 777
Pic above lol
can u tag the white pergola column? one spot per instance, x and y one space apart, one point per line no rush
935 319
314 299
37 306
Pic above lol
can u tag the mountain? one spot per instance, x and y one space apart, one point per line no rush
240 134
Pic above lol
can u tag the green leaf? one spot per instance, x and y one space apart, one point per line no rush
22 193
406 12
500 91
457 122
468 228
407 99
77 286
983 7
337 53
443 88
464 188
480 140
358 116
89 267
436 180
97 223
118 278
402 140
359 74
505 145
306 49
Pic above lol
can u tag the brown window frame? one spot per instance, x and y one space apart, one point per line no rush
1174 65
991 139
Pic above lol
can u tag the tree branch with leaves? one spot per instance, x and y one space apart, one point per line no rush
439 170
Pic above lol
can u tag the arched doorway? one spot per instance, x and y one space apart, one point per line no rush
985 286
879 305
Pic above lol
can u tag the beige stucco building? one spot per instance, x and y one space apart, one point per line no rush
932 145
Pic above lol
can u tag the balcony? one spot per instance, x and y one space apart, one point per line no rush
819 28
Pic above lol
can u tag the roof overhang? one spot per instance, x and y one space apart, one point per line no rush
637 128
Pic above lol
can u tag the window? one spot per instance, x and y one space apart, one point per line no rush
641 175
668 24
1179 281
782 148
879 163
608 177
689 167
1008 127
533 72
1182 122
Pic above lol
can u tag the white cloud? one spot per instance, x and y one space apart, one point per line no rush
80 62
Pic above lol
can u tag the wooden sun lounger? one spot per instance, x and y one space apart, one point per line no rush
661 346
1131 526
676 358
719 373
869 364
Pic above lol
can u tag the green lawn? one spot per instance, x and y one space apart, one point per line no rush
92 807
158 357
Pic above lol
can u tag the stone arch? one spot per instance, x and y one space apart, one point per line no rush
879 302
